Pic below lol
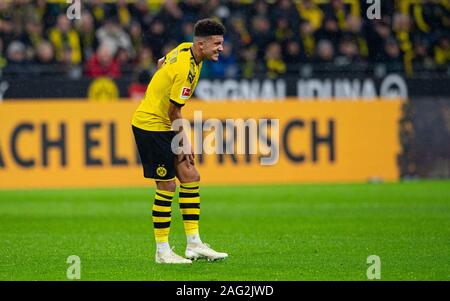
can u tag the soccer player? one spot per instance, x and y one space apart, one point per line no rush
171 86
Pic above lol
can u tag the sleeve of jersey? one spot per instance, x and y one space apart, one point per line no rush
181 89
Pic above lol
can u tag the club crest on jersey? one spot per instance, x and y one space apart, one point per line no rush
185 93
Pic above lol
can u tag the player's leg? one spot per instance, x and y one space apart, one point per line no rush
158 164
189 198
189 202
162 216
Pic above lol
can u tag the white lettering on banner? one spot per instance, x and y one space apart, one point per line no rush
391 87
240 89
4 86
394 86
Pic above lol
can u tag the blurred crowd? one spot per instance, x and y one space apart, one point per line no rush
264 38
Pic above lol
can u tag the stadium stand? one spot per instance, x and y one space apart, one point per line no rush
264 38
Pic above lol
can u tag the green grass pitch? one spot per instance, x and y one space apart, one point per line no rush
285 232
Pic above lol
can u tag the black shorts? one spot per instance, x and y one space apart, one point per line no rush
156 154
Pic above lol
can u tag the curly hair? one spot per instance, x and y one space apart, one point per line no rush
208 27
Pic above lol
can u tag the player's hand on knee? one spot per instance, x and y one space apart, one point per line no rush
189 158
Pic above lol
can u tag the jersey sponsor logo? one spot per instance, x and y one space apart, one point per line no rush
185 92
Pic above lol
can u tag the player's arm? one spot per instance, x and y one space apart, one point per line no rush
174 114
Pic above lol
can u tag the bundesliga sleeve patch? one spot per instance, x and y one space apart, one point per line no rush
185 93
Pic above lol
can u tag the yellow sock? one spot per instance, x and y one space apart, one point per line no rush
189 200
161 215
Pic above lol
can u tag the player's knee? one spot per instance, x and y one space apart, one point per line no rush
192 177
166 185
196 177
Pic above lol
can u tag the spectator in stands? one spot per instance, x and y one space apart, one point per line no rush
115 37
215 8
259 8
86 30
237 33
6 24
17 63
262 35
422 58
44 63
357 33
33 35
67 67
191 9
249 66
330 31
145 60
308 39
310 11
141 13
103 63
137 88
442 53
136 36
169 46
64 37
16 53
187 31
325 52
432 17
226 67
97 8
275 66
284 31
338 11
123 14
156 37
123 58
3 61
45 54
171 17
401 26
293 52
392 56
348 57
379 32
285 9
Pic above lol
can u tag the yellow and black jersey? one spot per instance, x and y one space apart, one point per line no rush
174 82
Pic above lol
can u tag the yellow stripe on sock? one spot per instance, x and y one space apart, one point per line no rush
190 226
166 192
190 211
192 184
189 190
189 200
158 219
161 208
162 234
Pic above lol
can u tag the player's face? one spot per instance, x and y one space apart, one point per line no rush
213 46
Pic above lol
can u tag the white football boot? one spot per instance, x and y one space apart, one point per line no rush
196 251
170 257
